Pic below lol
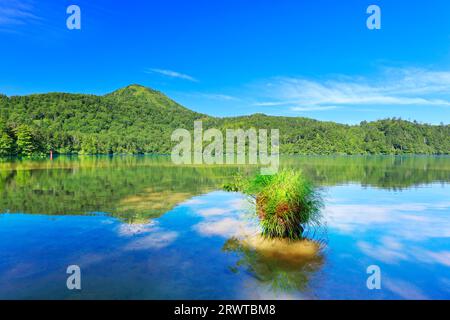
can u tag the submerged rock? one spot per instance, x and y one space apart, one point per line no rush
294 252
281 264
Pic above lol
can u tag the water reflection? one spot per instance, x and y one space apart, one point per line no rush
283 267
137 188
142 228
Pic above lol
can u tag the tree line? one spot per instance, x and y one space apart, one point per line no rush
135 120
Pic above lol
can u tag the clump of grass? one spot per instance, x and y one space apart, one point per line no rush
286 203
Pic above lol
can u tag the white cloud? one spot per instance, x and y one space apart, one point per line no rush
317 108
172 74
15 12
393 86
273 104
217 96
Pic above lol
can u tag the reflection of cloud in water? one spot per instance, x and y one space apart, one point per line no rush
396 234
107 221
399 220
382 253
404 289
392 252
21 269
194 201
213 212
128 230
88 259
229 220
231 208
226 227
442 257
238 204
157 240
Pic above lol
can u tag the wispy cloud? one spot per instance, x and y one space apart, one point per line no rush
316 108
172 74
16 12
210 96
273 103
218 96
393 86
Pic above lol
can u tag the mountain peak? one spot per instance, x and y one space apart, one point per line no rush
146 96
134 90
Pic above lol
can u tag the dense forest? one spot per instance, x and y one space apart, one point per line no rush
136 119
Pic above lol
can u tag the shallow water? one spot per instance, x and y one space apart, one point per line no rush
141 228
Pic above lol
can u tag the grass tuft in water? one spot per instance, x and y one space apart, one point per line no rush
286 203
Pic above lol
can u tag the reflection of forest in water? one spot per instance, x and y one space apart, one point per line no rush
387 172
139 187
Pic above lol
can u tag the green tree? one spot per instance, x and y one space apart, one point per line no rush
6 144
89 145
26 144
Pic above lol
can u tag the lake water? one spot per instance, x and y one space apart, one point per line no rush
141 228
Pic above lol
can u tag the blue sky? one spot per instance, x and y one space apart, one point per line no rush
312 58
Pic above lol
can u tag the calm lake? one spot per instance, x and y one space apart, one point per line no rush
142 228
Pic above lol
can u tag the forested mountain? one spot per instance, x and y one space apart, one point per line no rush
136 119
